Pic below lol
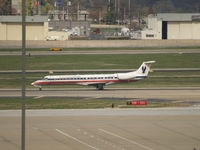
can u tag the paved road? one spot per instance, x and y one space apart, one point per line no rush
181 94
103 129
96 52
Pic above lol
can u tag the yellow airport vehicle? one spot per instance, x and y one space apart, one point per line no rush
56 49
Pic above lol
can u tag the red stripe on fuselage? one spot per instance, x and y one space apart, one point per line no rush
65 82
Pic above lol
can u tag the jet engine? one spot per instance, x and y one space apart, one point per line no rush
125 76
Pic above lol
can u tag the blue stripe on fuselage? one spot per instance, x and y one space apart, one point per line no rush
140 77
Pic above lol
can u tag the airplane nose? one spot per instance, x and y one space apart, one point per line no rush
33 83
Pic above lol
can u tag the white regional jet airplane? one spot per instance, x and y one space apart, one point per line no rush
97 80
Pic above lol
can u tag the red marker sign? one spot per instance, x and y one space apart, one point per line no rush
137 103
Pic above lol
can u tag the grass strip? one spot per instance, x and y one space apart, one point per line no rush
152 74
15 103
76 62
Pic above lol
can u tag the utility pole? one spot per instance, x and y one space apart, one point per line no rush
124 15
23 67
129 11
129 8
118 6
100 14
109 6
78 7
39 8
118 11
115 6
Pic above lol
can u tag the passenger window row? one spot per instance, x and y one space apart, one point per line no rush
89 78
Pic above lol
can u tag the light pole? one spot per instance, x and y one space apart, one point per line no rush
129 10
118 11
23 67
129 7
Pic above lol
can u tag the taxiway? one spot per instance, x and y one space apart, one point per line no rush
186 94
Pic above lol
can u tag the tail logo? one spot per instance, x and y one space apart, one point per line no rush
144 69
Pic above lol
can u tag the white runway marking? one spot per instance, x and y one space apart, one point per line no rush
38 97
133 142
69 136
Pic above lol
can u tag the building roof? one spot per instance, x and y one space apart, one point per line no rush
28 18
179 16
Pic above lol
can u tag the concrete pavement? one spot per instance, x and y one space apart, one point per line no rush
182 94
113 129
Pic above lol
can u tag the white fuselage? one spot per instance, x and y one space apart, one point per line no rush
105 79
97 80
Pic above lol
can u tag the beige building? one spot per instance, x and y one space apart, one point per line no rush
173 26
11 28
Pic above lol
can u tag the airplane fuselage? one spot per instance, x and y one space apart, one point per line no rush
94 80
97 80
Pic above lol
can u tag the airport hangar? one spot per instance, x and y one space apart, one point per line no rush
160 26
172 26
11 28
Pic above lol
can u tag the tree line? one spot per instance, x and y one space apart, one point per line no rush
107 9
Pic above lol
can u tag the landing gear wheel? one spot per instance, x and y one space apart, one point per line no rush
100 87
40 89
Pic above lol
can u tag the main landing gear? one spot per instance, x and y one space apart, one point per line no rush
99 86
40 88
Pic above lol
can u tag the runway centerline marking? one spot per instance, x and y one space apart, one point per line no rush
130 141
69 136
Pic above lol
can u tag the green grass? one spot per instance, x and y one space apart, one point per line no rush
15 103
65 62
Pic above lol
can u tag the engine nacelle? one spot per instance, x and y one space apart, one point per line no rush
125 76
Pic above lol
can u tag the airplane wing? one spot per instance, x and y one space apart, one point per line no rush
94 83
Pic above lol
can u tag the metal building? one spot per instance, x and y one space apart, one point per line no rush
11 28
173 26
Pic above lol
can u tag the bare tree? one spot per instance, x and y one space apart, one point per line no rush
5 7
164 6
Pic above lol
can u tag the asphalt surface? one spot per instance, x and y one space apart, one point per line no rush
103 129
181 94
98 52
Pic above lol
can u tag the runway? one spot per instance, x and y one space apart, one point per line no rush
182 94
103 129
104 52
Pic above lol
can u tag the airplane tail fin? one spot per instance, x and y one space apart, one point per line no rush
141 72
145 68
